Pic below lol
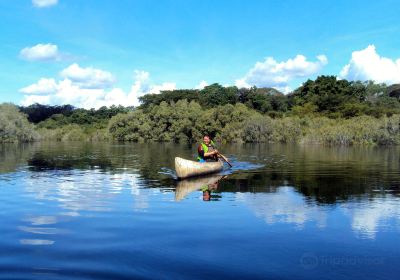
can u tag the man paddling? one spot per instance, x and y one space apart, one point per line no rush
207 150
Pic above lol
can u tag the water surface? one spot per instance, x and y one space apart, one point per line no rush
115 211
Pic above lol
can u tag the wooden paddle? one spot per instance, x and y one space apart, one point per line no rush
225 159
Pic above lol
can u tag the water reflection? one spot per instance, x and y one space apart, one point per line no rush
35 229
85 191
369 216
36 242
86 177
103 205
284 206
206 184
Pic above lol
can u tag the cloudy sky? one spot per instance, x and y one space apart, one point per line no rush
90 53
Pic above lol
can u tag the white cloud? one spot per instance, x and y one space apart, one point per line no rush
143 86
88 77
44 3
40 52
271 73
32 99
43 86
367 64
67 91
201 85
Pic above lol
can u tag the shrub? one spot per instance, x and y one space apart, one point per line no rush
14 125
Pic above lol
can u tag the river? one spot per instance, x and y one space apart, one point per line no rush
115 211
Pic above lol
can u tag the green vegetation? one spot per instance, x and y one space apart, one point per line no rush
343 99
183 121
93 118
14 126
324 111
76 124
37 112
325 96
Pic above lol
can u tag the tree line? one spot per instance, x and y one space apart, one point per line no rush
326 110
325 96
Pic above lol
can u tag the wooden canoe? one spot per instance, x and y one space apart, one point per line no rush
185 187
188 168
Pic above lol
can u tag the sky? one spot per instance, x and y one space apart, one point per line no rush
92 53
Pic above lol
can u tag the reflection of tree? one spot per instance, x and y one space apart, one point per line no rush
293 187
332 174
14 155
42 161
145 159
328 174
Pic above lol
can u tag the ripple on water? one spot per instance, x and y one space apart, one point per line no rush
117 218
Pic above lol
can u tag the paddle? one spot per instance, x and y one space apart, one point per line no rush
225 159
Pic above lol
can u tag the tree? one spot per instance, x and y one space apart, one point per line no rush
215 95
14 125
38 112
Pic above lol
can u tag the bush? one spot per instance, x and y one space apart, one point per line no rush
14 125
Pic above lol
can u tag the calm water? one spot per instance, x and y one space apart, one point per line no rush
114 211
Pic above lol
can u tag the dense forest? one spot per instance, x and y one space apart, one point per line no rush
326 110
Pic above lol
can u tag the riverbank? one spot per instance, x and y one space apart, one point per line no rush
186 122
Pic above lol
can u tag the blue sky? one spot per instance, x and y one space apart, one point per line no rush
122 49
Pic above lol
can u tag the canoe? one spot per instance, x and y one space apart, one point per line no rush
185 187
188 168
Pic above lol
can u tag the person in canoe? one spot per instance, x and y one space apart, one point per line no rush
207 151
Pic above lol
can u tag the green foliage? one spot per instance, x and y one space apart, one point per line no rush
73 132
217 95
164 122
326 110
183 121
394 91
263 99
169 96
325 96
340 98
365 130
89 118
260 99
307 109
14 125
180 122
37 112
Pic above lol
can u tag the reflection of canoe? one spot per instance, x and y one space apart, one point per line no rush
187 186
187 168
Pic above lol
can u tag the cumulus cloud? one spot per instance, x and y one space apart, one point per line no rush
142 86
41 52
88 77
43 86
271 73
68 91
201 85
44 3
367 64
